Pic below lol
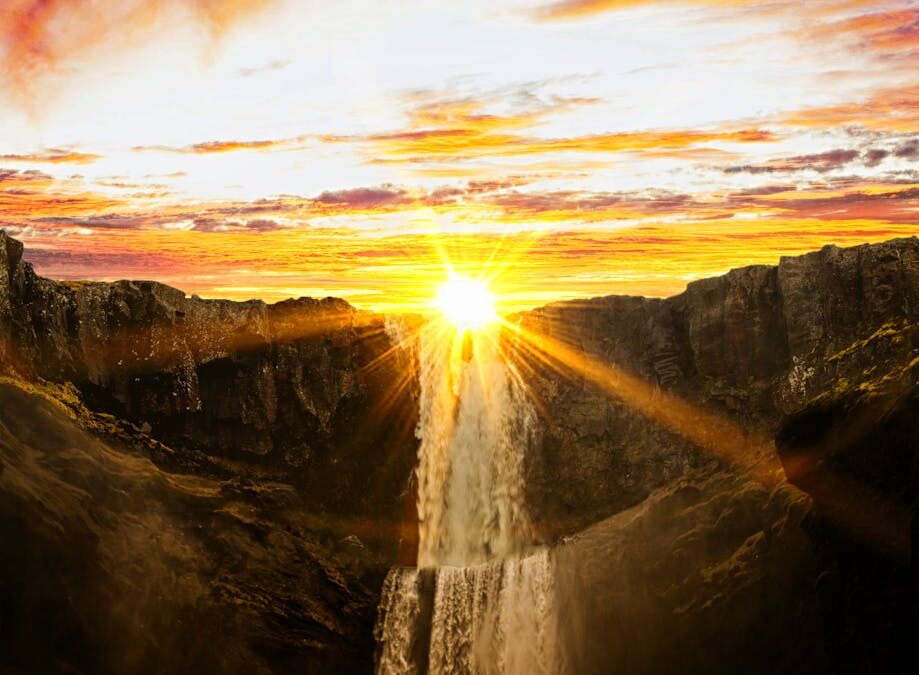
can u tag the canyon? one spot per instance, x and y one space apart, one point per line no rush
222 487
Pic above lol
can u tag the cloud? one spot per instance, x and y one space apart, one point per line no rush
566 10
821 163
909 150
875 156
38 36
893 109
366 198
266 68
890 36
893 206
220 225
217 147
53 156
459 129
10 179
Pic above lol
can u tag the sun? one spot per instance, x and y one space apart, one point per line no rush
466 303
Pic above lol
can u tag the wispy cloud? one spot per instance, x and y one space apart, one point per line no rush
820 162
564 10
451 130
279 64
39 35
217 147
53 156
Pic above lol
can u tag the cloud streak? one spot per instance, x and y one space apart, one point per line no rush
53 156
218 147
462 129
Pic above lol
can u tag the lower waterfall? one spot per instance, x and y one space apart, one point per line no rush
481 600
497 618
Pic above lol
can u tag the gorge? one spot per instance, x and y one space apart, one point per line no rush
212 486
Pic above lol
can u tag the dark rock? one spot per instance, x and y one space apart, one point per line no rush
111 565
709 574
292 388
855 450
753 345
281 461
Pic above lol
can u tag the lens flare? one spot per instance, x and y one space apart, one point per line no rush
466 303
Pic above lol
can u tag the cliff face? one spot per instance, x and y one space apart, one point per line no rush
190 485
696 566
294 388
112 565
754 345
265 451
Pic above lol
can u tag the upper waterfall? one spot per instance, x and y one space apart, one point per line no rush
474 426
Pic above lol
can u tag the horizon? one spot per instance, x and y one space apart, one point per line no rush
431 308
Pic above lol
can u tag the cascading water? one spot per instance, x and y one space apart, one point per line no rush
474 426
477 603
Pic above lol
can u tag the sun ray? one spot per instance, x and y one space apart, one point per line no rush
875 523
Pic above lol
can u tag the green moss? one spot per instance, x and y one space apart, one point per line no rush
894 331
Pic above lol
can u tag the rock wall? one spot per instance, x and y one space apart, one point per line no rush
754 345
112 565
302 389
820 350
699 568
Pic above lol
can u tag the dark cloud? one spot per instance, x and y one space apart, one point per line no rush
909 150
362 198
875 156
820 162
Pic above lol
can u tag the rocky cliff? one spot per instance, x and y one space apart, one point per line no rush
299 389
694 565
193 485
112 565
755 346
273 444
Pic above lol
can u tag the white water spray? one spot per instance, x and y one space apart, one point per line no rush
474 427
476 604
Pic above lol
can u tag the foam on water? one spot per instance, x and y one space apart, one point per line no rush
497 618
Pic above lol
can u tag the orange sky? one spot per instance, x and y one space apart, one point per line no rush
272 148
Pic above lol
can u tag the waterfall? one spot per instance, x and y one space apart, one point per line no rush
474 426
497 618
482 598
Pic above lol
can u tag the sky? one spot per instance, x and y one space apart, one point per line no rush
359 148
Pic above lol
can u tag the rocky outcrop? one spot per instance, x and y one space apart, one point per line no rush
754 346
711 573
254 460
701 568
300 389
112 565
855 449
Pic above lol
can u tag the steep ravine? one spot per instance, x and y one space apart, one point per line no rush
283 418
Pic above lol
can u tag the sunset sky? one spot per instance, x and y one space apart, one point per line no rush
272 148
